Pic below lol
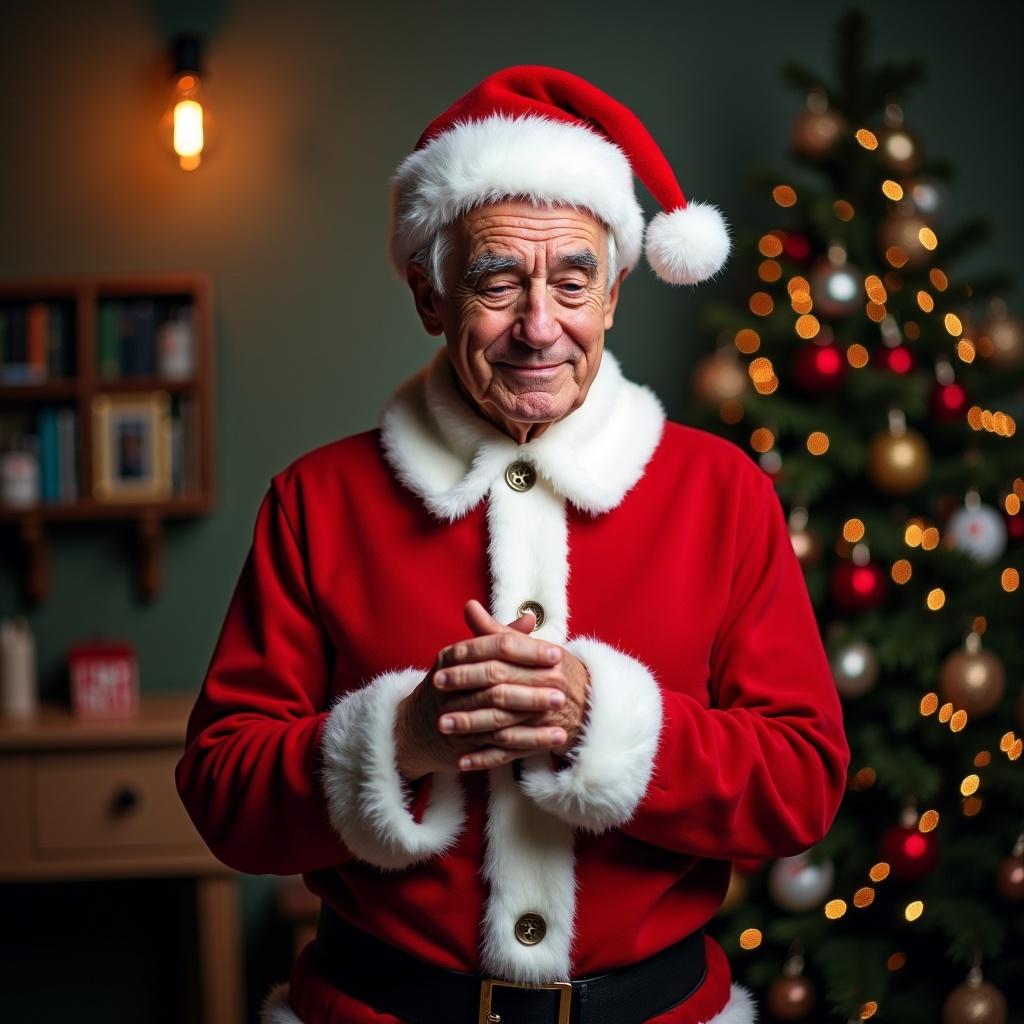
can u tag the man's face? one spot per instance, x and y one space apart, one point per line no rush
525 311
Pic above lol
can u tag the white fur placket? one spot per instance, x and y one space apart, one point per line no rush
454 458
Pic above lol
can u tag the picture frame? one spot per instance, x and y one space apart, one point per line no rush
131 435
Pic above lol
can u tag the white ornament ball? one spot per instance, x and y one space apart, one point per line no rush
979 532
855 669
795 884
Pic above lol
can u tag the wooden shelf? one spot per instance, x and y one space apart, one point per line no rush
82 295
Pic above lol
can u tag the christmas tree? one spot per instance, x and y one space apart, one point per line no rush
875 385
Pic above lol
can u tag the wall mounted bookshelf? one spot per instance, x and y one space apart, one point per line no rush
107 387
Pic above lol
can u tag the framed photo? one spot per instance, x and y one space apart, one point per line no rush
131 438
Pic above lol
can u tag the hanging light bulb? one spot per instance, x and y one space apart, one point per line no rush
187 123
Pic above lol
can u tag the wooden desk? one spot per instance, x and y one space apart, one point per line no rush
92 800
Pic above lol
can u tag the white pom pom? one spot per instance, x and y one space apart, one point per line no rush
688 246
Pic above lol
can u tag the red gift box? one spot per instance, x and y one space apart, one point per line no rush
104 679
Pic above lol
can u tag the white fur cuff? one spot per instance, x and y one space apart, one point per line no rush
367 797
611 765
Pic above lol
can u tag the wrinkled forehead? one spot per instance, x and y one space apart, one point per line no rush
529 229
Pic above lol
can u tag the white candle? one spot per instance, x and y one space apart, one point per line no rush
19 696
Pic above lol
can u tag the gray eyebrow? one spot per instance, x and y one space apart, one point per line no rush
490 263
585 259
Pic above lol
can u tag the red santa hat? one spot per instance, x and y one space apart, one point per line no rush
550 136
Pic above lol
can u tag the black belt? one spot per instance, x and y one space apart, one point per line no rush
393 981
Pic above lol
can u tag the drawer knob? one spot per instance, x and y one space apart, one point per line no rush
126 799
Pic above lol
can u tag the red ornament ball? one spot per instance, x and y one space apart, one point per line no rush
856 588
948 402
1014 525
911 854
819 368
898 359
791 998
796 247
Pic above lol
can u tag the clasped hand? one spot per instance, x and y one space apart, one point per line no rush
492 699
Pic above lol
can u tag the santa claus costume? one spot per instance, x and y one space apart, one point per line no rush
656 553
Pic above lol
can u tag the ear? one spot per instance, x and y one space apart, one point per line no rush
425 297
612 300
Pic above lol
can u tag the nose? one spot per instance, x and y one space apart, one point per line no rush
536 321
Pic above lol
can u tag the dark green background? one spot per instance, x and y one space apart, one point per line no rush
318 102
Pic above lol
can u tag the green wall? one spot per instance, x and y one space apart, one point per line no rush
319 101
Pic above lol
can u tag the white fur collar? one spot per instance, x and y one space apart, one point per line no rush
449 455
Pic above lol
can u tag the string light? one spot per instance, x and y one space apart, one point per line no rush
879 872
896 961
761 304
901 571
843 210
864 897
929 821
769 270
875 289
938 279
925 301
945 713
965 350
807 326
857 356
969 785
958 721
770 245
928 238
953 324
929 702
747 341
896 257
866 138
853 530
868 1010
1010 580
936 599
750 938
784 195
835 909
817 443
914 909
892 190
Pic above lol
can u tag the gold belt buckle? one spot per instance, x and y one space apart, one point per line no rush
487 1017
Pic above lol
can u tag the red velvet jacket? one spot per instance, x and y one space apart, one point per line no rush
662 559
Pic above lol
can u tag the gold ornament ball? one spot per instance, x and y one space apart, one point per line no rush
718 378
1010 878
816 132
736 894
981 1003
903 232
1006 334
974 682
898 465
900 150
791 998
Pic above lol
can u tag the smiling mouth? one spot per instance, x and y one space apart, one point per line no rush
532 369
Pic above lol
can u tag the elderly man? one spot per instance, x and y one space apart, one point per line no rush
512 677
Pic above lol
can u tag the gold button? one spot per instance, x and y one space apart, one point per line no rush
521 475
536 608
530 929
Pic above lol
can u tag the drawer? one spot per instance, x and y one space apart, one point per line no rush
116 802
